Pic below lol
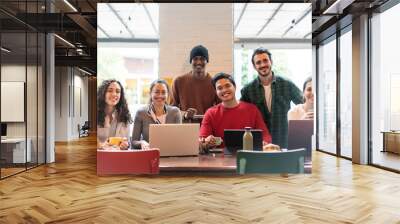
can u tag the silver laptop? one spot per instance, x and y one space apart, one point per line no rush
175 139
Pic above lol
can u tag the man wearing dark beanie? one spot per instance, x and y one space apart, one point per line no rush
193 92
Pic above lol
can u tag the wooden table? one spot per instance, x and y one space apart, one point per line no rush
213 162
217 163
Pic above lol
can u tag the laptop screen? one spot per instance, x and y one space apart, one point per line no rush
3 129
299 135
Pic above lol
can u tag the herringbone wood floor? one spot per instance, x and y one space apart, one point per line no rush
70 192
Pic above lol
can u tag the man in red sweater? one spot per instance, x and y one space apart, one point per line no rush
230 114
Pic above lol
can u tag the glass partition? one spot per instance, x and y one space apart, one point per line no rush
327 96
346 93
31 97
13 87
385 89
22 88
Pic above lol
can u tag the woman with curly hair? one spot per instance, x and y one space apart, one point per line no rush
113 117
156 112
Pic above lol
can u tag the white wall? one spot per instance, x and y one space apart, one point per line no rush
33 127
69 85
183 26
16 73
80 110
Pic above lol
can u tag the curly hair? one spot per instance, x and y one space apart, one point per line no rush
122 107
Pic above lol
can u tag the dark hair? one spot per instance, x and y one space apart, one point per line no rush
222 75
158 81
261 50
122 107
309 79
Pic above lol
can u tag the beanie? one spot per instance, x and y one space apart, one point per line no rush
199 50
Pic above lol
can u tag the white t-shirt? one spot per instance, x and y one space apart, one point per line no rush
268 96
297 112
162 118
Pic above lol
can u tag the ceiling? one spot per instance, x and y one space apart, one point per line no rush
333 15
273 20
251 20
73 21
122 20
76 21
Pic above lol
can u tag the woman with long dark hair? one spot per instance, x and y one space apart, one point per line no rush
156 112
113 117
304 111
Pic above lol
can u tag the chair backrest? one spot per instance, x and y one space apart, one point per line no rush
86 125
270 162
128 161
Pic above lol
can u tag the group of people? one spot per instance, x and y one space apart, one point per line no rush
264 104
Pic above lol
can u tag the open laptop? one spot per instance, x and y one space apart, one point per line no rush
175 139
233 139
299 135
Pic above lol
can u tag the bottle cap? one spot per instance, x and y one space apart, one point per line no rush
247 128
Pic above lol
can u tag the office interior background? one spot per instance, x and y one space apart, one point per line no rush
49 66
33 57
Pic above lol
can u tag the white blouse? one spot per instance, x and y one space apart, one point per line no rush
112 129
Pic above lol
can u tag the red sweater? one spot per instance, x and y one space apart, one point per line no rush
218 118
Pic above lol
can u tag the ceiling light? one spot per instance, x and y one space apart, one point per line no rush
64 40
70 5
84 71
337 7
5 50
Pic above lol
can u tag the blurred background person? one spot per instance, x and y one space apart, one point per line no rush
304 111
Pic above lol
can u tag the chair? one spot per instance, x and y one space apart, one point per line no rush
128 161
84 130
270 162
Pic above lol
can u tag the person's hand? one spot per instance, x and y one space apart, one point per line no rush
189 114
124 144
271 147
144 145
101 145
308 116
211 141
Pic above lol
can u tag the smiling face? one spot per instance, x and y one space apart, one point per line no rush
262 64
159 94
113 94
225 90
199 64
308 93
